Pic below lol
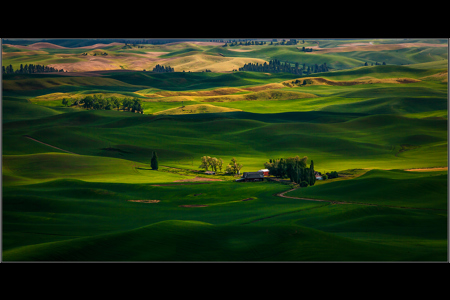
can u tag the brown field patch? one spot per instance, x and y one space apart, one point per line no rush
240 50
207 43
198 179
371 47
264 87
92 64
193 205
153 54
428 169
145 201
96 46
354 44
438 76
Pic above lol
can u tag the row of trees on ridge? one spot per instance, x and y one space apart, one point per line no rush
163 69
275 66
29 69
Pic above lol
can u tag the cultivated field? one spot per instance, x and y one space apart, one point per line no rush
78 183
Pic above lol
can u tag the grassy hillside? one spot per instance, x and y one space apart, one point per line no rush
225 228
77 183
426 190
197 57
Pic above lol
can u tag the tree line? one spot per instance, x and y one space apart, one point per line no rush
376 64
294 168
275 66
275 42
245 43
163 69
29 69
99 103
215 164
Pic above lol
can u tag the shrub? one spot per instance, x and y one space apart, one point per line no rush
332 175
324 177
304 184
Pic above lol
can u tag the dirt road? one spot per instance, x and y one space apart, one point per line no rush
282 194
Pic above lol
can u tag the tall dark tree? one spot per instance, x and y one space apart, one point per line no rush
312 174
154 161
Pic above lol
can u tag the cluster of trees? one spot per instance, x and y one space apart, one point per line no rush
134 45
233 167
332 175
376 64
211 162
95 54
100 103
284 42
29 69
244 43
294 168
162 69
214 164
307 49
275 66
275 42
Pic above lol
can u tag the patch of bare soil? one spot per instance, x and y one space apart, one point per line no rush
428 169
153 54
198 179
240 50
354 44
193 205
144 201
93 64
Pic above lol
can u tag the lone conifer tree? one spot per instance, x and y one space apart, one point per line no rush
312 175
154 162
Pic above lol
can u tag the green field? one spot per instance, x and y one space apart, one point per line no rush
69 173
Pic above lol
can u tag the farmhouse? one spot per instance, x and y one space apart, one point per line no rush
265 172
210 173
318 175
252 176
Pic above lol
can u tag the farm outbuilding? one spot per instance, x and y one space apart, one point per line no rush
264 171
251 176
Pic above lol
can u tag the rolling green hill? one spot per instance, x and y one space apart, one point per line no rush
397 188
103 202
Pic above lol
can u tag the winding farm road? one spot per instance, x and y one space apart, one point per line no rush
282 194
